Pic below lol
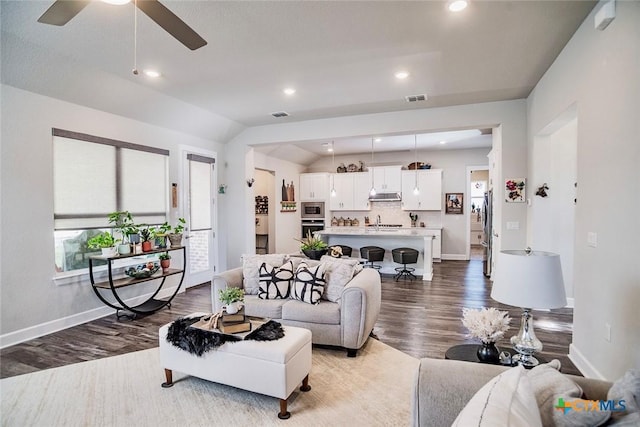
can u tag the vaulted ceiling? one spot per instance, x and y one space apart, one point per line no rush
340 56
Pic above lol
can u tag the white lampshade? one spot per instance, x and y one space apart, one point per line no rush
529 280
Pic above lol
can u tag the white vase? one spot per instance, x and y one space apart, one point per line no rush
109 252
232 308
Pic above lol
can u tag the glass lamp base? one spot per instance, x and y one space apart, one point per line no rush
526 360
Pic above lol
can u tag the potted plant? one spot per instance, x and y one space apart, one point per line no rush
165 261
232 299
313 247
161 235
123 222
103 241
145 235
175 234
488 325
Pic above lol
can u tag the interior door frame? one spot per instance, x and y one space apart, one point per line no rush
190 280
467 206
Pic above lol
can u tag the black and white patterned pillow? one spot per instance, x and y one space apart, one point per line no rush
308 283
275 281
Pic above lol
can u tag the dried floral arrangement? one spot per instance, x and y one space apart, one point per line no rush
486 324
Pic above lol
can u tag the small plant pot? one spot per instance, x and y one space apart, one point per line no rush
175 239
165 263
233 308
108 252
315 254
124 249
146 246
161 241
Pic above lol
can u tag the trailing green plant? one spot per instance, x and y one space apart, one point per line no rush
311 243
102 240
164 256
179 227
231 295
123 222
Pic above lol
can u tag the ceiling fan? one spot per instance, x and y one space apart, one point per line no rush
62 11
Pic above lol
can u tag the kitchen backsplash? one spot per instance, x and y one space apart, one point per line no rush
392 213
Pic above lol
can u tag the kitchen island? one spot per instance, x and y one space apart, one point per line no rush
388 238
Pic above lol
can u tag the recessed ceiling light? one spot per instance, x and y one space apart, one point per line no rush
458 5
152 73
443 142
289 91
401 75
116 2
378 139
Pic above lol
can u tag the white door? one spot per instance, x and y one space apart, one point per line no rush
200 183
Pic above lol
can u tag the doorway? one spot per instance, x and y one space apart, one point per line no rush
200 215
264 193
477 187
553 217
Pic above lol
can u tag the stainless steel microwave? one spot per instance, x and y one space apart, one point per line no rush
310 210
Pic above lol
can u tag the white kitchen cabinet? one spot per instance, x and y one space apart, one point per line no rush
429 197
314 187
352 191
387 179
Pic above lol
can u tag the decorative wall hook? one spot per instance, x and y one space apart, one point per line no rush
250 182
542 191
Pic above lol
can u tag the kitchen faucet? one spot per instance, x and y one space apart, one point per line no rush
377 222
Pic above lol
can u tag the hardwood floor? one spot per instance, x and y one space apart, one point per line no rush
419 318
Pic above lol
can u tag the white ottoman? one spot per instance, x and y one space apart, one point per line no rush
274 368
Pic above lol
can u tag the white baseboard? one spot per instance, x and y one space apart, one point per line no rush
26 334
583 364
454 257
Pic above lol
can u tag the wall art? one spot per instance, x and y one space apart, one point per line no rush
454 203
515 190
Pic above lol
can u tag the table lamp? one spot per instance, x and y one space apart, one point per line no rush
531 280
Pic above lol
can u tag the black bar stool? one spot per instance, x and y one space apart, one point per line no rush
405 256
371 254
346 250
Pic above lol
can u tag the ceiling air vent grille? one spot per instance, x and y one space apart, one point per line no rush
280 114
416 98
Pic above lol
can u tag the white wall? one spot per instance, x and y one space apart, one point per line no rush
598 71
29 297
510 116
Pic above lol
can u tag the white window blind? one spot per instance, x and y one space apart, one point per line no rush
200 196
95 176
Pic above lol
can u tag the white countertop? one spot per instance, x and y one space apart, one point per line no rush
382 231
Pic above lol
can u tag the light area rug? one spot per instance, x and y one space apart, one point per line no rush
372 389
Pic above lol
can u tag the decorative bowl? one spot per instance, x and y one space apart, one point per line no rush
142 271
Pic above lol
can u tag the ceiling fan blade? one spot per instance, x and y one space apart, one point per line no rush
61 11
171 23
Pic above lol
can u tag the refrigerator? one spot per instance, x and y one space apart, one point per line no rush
487 219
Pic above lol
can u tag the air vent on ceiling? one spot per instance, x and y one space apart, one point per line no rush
280 114
415 98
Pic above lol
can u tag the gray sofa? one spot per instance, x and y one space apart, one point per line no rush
442 388
346 323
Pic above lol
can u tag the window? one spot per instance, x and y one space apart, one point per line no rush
478 189
95 176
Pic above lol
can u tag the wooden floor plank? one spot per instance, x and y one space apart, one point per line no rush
422 319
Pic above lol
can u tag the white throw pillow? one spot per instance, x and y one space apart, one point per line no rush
338 272
250 265
506 400
308 284
275 281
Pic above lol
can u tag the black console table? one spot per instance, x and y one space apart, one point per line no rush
469 353
152 304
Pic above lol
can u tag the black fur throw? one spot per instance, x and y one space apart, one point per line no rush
198 341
